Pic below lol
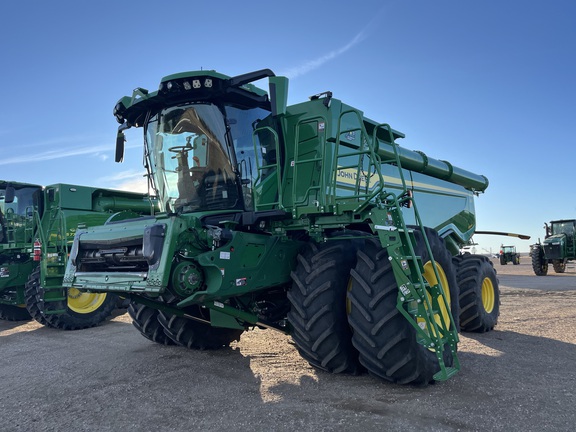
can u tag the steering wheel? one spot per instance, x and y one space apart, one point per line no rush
180 148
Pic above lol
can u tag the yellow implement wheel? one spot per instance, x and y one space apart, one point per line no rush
447 274
488 296
430 277
84 303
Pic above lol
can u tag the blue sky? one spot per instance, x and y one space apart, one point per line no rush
489 86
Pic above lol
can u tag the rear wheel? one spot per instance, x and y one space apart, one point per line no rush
145 319
83 310
387 342
559 265
14 313
195 334
318 315
479 293
539 262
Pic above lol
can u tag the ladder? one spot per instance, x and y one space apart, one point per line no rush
53 265
418 301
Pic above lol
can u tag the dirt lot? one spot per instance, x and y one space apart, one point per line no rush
522 376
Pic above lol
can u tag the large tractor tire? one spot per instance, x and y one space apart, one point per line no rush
503 259
516 259
479 293
387 342
559 265
14 313
539 262
318 313
195 334
145 319
83 310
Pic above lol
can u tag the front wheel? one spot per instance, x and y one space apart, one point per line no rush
385 339
539 262
445 269
479 293
82 310
317 314
559 265
14 313
196 334
145 319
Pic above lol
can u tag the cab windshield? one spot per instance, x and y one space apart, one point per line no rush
563 228
190 149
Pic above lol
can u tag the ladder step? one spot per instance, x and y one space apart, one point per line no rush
443 375
55 312
56 299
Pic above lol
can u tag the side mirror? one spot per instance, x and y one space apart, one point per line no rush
120 140
10 193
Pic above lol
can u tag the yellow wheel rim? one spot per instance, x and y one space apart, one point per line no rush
488 297
348 304
84 303
430 277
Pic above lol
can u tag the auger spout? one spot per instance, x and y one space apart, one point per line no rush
444 170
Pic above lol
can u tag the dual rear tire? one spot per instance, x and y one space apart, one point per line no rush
344 314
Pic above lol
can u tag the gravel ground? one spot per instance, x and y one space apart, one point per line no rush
519 377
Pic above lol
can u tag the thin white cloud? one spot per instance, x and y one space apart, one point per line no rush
53 154
124 175
136 185
129 180
102 152
315 64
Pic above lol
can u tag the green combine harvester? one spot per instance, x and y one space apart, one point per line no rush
37 227
300 219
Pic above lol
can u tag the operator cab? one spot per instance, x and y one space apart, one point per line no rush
203 133
202 156
564 227
17 204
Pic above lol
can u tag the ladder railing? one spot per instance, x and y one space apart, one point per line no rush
364 189
54 257
418 301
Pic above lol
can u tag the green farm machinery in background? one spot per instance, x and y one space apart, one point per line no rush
37 228
558 248
301 219
508 254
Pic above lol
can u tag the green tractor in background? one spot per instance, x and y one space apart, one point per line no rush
37 226
301 219
558 248
509 254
